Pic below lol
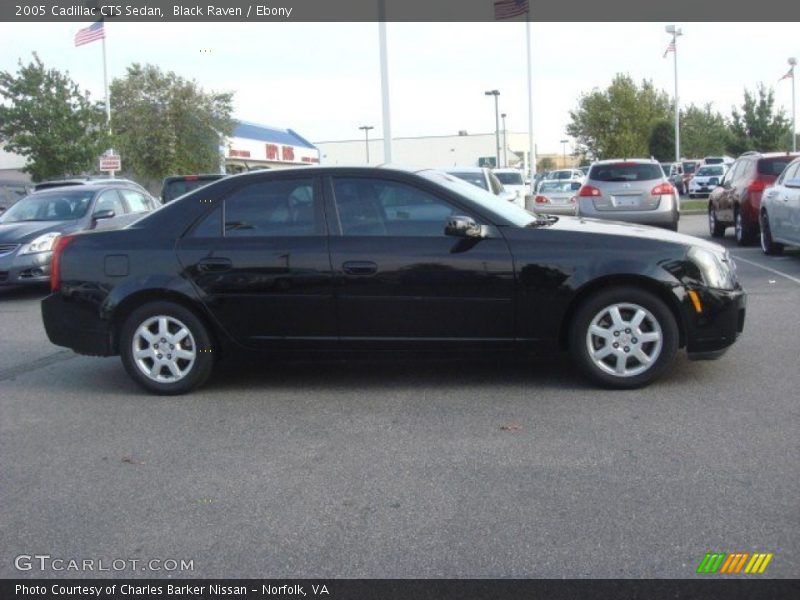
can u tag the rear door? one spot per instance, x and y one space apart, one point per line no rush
260 261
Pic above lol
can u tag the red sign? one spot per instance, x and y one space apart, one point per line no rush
110 162
287 153
272 152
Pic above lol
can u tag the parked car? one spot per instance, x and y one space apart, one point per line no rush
736 202
12 190
718 160
377 259
780 211
30 228
91 180
634 190
705 179
565 175
513 182
178 185
484 178
556 197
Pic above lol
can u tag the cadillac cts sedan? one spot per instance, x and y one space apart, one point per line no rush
365 260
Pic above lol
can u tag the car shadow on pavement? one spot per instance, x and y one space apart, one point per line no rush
23 292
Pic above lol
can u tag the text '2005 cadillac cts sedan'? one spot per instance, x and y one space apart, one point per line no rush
379 259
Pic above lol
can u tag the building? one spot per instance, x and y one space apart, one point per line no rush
255 146
11 166
464 149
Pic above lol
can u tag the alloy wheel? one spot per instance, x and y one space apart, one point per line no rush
164 349
624 339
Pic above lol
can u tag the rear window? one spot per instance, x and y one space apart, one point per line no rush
714 161
560 186
710 170
560 175
773 166
179 187
626 172
510 178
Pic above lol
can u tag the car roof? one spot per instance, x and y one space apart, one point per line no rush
199 176
458 170
640 161
92 187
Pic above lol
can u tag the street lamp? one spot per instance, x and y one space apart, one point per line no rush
505 143
564 153
366 129
793 63
675 32
495 93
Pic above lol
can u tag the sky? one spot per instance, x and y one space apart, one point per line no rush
323 79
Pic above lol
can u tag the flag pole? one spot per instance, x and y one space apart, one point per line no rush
387 120
108 97
531 148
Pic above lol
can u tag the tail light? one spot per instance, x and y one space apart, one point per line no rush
757 186
589 191
540 200
55 265
663 189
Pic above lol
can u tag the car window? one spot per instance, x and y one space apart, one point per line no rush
560 186
272 208
790 172
110 200
64 206
388 208
773 166
732 172
473 178
621 172
136 202
510 178
710 171
209 226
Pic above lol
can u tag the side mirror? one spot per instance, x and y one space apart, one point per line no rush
464 227
792 183
104 214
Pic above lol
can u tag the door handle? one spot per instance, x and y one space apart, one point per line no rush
208 265
359 267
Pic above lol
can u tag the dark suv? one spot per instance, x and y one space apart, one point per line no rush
736 201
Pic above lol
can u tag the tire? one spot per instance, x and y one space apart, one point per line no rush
715 228
177 375
768 245
745 235
619 369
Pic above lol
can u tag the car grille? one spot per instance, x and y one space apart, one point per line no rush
7 248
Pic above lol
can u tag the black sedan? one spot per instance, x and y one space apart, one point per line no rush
29 229
367 260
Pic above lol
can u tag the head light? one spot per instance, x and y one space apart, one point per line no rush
716 269
43 243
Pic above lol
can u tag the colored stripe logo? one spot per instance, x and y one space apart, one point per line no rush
734 563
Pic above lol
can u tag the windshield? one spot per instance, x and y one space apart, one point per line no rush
689 167
560 186
508 210
61 206
474 178
708 171
560 175
510 178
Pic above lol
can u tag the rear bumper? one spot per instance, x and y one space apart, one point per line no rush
75 325
711 332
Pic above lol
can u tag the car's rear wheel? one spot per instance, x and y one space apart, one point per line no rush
715 228
624 337
768 246
165 348
745 234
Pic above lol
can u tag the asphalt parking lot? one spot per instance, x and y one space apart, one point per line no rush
408 469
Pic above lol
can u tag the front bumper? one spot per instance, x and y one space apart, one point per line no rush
75 324
711 332
25 269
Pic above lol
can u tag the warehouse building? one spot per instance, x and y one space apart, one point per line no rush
254 146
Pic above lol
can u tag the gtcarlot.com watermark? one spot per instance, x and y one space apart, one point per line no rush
46 562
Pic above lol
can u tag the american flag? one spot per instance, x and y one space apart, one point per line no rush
789 75
95 31
507 9
670 48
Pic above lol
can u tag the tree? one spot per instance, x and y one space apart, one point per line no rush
704 132
617 122
545 164
662 141
164 124
758 126
50 121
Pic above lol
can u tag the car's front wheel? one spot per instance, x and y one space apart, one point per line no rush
624 337
165 348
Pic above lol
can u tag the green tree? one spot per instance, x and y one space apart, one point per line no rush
662 141
704 132
545 164
164 124
49 120
759 126
617 122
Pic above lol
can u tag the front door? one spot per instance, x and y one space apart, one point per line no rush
402 281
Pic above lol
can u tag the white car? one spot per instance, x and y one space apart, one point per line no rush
564 175
780 211
484 179
513 182
705 179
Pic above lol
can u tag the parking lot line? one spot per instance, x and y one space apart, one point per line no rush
771 270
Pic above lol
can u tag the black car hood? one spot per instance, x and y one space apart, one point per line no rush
26 231
631 230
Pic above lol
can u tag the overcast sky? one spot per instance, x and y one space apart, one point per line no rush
323 79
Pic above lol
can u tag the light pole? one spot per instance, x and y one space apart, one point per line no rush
505 142
564 153
793 63
495 93
366 129
676 31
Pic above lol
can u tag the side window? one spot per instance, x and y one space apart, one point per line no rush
209 226
376 207
272 208
109 200
790 172
136 201
731 172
